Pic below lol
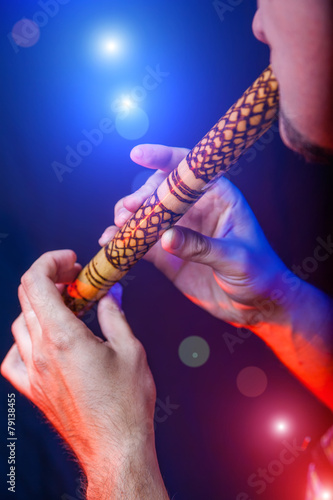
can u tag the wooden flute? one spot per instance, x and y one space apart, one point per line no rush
247 120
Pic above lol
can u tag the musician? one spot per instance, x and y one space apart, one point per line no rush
100 396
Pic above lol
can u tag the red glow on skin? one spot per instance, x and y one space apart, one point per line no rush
198 302
211 307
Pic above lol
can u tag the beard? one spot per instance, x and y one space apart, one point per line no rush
297 142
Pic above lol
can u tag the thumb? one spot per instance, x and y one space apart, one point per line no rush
195 247
112 319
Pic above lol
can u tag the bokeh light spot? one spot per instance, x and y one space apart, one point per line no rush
25 33
252 381
127 102
111 46
280 426
132 125
194 351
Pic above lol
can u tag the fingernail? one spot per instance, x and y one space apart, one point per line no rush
103 239
174 238
137 152
122 216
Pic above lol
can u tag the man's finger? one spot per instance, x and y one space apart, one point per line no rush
112 320
131 203
157 156
135 200
22 338
30 324
108 234
39 285
15 371
195 247
162 158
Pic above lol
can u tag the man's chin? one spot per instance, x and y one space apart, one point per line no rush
295 141
285 134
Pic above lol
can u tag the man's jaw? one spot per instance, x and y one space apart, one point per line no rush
294 140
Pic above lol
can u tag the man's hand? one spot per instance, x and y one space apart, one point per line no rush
220 259
217 255
100 396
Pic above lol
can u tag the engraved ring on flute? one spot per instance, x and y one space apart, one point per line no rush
247 120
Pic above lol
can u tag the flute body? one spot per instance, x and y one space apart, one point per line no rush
247 120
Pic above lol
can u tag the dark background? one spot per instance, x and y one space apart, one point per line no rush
50 92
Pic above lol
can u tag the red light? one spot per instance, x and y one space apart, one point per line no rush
281 426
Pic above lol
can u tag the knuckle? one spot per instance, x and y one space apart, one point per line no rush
3 368
40 362
28 279
141 354
150 385
19 326
118 205
126 198
62 334
61 341
201 247
136 348
7 368
31 277
47 258
15 326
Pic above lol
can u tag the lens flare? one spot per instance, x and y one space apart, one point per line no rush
281 426
127 102
111 46
132 123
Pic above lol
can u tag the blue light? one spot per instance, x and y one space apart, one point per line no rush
110 46
132 125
